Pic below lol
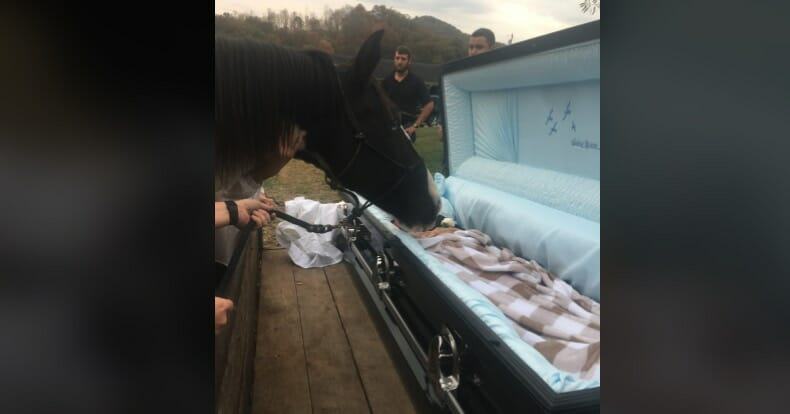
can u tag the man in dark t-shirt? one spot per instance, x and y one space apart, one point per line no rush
408 91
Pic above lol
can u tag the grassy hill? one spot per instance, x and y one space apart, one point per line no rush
341 31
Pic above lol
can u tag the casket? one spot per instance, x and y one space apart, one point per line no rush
522 127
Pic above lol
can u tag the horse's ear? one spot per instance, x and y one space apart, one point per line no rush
367 58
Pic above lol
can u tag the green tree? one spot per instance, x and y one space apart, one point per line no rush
590 6
296 22
313 24
284 19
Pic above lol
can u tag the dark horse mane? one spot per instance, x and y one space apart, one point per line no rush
261 92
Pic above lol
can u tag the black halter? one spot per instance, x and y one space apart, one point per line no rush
361 140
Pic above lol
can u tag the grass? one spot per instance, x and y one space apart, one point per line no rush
298 178
430 147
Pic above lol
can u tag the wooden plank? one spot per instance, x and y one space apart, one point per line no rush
385 389
281 383
248 316
235 346
334 382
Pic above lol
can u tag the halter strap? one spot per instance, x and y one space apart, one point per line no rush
351 161
358 133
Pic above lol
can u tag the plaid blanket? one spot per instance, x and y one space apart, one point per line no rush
547 313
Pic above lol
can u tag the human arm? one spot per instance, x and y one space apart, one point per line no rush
424 114
248 209
221 309
427 108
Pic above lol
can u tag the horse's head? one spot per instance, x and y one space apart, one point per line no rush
368 152
264 93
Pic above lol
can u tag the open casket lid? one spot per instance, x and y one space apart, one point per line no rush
522 128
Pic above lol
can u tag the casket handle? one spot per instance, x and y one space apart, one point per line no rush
444 348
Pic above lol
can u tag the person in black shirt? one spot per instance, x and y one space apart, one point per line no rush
408 91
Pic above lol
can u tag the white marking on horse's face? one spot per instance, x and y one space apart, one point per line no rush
437 204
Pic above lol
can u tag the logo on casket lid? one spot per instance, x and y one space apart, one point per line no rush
576 143
585 144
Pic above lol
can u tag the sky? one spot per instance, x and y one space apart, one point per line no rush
525 19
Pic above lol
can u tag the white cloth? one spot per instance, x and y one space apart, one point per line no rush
310 249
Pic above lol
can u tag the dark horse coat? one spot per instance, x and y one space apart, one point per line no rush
263 92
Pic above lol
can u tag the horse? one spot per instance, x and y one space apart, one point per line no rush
265 93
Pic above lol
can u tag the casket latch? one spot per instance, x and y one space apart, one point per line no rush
443 363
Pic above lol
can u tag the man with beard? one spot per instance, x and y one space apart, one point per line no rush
409 92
